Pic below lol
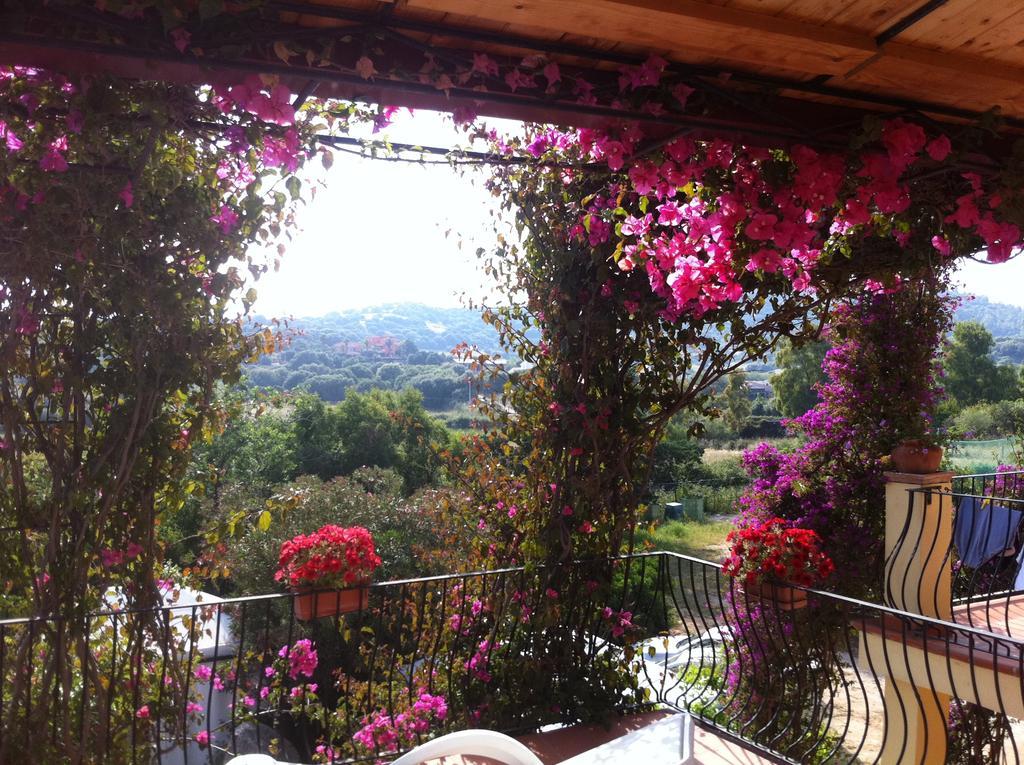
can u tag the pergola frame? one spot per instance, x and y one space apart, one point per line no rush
738 105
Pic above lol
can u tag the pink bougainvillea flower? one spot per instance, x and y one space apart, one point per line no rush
644 177
639 227
941 244
30 101
365 68
302 658
516 79
143 712
127 195
903 140
552 74
203 739
385 114
111 558
682 94
761 226
227 219
53 162
484 64
11 140
939 148
669 214
181 38
464 115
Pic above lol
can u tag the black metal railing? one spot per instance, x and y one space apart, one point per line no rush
797 674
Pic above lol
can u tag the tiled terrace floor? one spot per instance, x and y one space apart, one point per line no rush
1004 616
557 746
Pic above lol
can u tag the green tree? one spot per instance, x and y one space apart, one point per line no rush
972 376
318 445
390 430
736 398
678 455
799 371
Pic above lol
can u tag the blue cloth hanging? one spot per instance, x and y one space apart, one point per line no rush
984 529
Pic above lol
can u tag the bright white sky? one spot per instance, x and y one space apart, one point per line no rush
376 233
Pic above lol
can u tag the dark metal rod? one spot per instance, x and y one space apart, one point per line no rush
908 21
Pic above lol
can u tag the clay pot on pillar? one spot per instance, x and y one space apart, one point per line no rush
916 456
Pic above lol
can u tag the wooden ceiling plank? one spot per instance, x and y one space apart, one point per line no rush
750 38
955 23
1003 42
872 16
925 76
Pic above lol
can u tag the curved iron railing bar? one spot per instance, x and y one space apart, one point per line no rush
752 720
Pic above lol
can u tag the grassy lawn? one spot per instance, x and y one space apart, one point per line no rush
700 540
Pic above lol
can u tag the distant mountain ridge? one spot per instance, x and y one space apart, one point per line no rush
1001 319
428 327
1005 322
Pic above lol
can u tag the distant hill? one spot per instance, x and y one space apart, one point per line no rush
1005 322
1000 319
391 346
429 328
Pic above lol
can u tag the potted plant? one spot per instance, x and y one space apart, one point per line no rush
920 448
328 570
922 454
767 559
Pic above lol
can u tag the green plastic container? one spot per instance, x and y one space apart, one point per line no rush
693 508
654 512
673 511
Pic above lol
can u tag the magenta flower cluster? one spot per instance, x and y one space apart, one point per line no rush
383 733
302 658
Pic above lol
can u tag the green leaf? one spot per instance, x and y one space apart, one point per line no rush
294 186
264 521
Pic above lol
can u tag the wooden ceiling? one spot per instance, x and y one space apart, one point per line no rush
786 69
962 54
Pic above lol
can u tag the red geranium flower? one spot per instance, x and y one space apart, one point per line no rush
775 551
332 556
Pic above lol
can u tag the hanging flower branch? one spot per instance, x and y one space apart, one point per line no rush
135 217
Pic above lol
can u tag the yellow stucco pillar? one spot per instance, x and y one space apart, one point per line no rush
918 579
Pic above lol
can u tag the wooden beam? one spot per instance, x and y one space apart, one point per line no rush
912 72
680 25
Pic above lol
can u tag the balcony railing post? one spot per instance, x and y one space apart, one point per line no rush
918 579
918 535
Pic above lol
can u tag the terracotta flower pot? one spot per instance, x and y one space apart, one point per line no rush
916 456
309 604
780 596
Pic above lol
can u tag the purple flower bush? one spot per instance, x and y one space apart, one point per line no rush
883 384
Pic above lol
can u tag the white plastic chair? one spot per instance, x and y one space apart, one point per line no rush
483 743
